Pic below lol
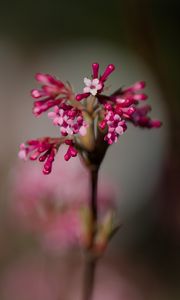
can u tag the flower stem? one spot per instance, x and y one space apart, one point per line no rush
89 278
91 260
94 181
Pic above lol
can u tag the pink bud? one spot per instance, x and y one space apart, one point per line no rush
35 93
140 96
95 68
43 78
73 151
139 85
110 68
67 156
155 123
79 97
34 155
102 124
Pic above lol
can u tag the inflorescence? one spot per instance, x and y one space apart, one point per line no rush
74 114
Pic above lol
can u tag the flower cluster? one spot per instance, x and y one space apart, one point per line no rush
69 119
140 118
73 117
45 150
128 99
116 126
52 93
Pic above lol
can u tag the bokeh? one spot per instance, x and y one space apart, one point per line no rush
141 37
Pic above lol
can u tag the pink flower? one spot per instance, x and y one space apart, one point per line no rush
69 118
112 112
95 86
140 118
121 107
116 126
44 149
52 93
128 99
71 152
131 92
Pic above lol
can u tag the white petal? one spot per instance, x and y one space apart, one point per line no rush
60 121
70 122
69 130
117 117
119 130
86 89
61 112
63 129
56 121
95 81
93 92
51 115
87 81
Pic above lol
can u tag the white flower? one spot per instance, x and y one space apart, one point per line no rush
92 86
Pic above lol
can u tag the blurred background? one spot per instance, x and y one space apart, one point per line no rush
141 37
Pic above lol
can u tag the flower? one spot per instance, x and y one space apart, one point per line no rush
44 149
78 121
92 86
95 86
122 107
69 119
140 118
71 152
52 93
116 126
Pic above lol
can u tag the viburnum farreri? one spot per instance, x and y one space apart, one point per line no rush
85 119
89 122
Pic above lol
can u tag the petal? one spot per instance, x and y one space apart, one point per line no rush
95 81
56 121
117 117
86 89
87 81
69 130
119 130
51 115
60 121
93 92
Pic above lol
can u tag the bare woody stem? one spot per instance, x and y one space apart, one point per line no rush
93 204
91 260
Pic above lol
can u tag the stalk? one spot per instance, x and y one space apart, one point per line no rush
91 260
